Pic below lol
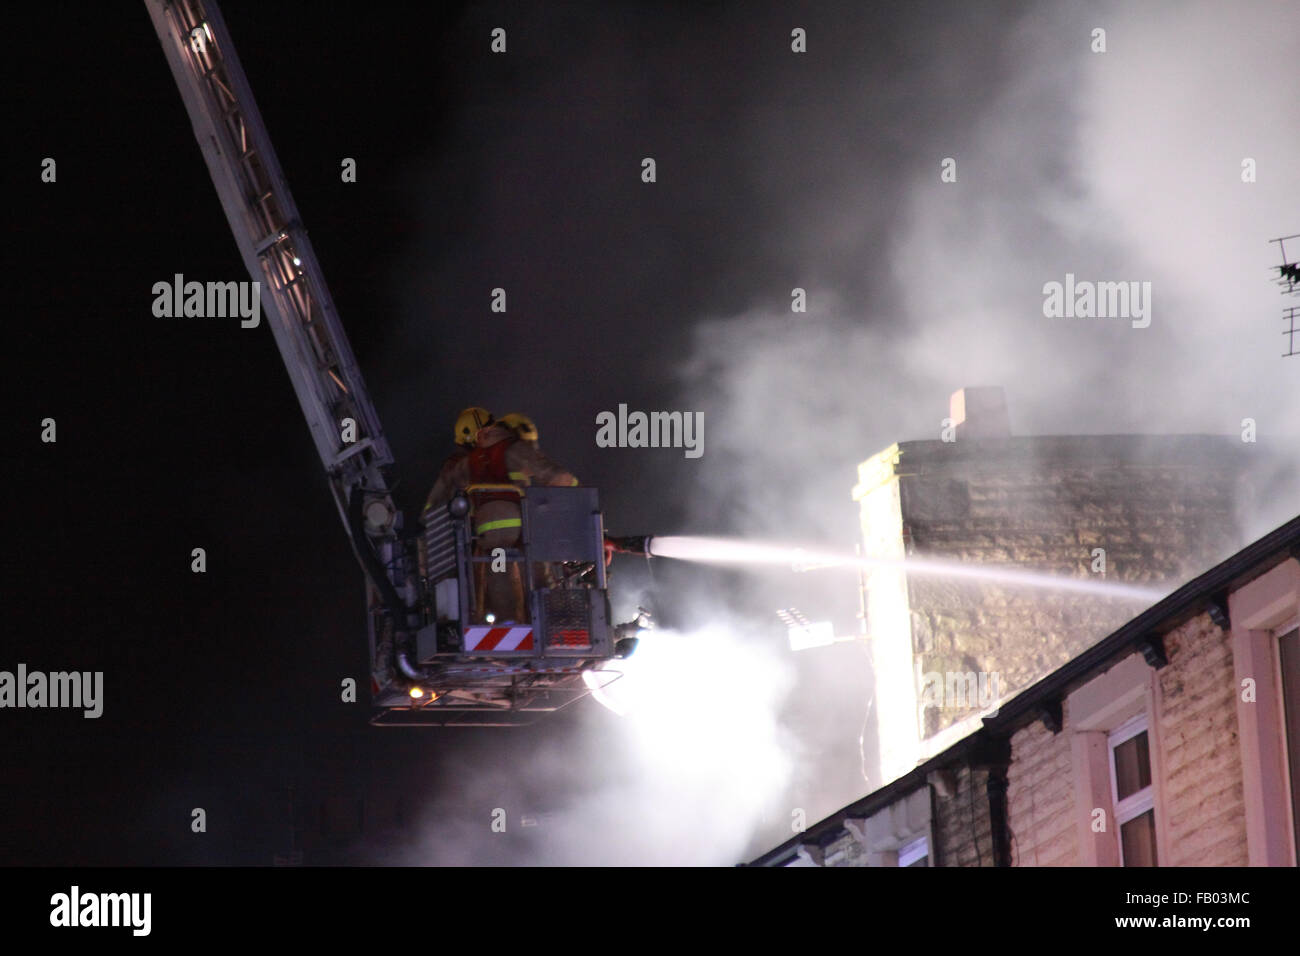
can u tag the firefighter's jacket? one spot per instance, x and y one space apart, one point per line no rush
500 457
453 476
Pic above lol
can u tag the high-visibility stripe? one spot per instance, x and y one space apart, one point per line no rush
575 483
495 525
517 476
498 638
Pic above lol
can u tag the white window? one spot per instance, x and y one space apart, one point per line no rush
916 853
1132 792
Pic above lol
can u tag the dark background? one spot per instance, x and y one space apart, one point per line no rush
222 689
523 171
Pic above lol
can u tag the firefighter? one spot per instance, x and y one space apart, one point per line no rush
501 456
525 430
454 474
506 455
523 426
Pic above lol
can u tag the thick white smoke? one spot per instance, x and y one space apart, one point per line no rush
1124 165
709 755
679 780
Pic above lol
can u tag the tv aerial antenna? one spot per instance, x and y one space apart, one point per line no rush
1288 277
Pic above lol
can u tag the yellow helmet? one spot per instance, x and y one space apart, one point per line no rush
469 422
521 425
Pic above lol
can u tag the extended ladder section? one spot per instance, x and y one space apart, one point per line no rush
278 254
453 645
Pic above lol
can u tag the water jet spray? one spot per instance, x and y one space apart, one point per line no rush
731 551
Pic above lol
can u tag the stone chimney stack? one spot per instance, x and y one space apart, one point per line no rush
980 412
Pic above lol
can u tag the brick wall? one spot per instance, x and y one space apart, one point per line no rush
1160 506
1197 772
1200 809
961 824
1202 774
1040 798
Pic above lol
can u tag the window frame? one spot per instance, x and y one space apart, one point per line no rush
908 851
1262 611
1290 777
1141 801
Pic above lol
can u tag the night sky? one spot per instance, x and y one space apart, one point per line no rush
522 171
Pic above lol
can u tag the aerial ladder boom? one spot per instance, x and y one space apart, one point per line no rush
439 655
279 255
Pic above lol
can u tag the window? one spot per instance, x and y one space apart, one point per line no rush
1266 642
916 853
1289 652
1131 790
1115 750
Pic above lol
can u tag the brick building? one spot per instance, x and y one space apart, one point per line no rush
1133 509
1173 741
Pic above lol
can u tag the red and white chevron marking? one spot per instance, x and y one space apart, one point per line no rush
498 638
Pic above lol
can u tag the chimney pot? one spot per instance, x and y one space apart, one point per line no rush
980 412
